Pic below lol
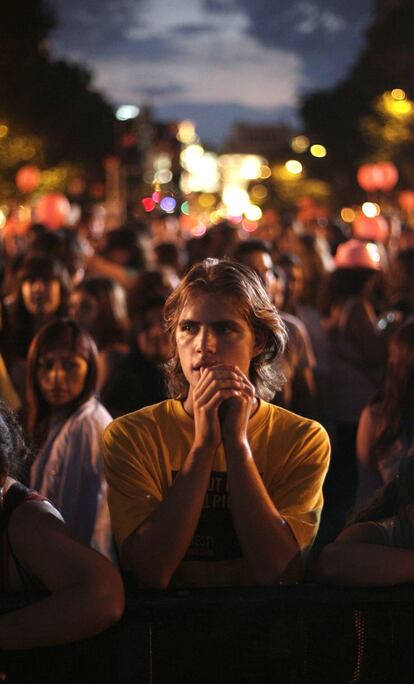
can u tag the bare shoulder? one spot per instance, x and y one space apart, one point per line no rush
43 545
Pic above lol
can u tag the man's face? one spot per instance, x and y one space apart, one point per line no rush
262 263
212 330
295 283
153 342
278 293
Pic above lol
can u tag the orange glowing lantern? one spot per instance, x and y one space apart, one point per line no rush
369 177
389 175
27 178
374 229
381 176
406 200
53 210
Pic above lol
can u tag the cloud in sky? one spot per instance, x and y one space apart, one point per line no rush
260 55
188 49
327 34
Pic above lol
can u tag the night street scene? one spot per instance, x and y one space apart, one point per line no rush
207 341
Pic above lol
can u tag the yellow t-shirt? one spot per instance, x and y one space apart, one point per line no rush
7 392
144 451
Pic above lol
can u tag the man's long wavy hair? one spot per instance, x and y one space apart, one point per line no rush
230 279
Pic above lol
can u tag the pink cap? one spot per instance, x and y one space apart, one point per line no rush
358 254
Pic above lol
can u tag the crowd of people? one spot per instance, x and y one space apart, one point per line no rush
234 365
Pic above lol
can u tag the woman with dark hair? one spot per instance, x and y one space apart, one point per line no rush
377 546
42 293
85 591
99 306
43 289
386 427
65 422
172 467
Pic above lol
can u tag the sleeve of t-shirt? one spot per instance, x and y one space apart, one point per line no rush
298 497
7 391
133 476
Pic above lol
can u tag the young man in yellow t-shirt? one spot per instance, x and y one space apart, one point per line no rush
216 486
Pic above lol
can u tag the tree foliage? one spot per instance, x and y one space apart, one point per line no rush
50 100
348 119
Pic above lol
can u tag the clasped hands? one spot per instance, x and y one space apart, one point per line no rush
223 400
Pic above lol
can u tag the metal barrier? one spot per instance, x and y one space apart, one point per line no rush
304 634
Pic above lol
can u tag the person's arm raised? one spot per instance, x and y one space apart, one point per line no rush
156 548
266 539
86 592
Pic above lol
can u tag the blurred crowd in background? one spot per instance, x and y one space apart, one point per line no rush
347 301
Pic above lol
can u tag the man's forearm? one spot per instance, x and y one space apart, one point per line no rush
266 539
155 549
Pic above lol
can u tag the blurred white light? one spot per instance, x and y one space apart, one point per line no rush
191 156
236 200
163 176
371 209
253 212
202 170
251 167
294 167
126 112
373 252
162 161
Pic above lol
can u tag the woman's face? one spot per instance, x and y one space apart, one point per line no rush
41 296
85 310
61 376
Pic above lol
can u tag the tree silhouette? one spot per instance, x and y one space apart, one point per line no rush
338 118
52 100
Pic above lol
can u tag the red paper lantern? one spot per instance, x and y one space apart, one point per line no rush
381 176
27 178
53 210
389 175
375 228
406 200
369 177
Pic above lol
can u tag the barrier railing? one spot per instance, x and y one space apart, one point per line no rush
301 635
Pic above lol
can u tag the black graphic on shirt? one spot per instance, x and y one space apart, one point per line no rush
215 537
